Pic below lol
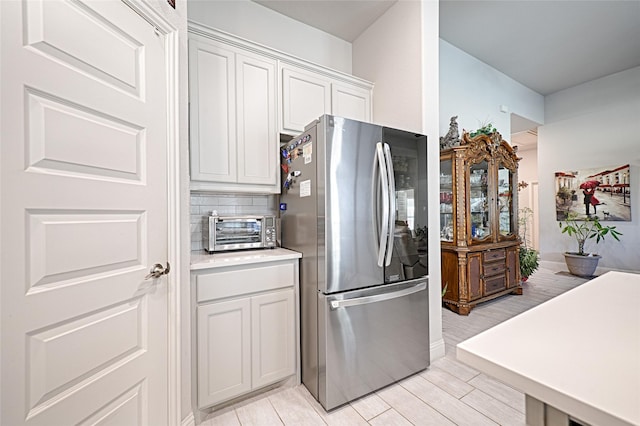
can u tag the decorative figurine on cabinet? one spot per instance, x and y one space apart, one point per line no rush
452 138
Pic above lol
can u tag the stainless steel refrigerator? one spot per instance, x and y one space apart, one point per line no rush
353 199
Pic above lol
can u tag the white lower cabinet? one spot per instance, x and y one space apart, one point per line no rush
272 337
224 350
246 330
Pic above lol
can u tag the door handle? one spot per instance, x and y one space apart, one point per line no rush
157 271
392 202
384 183
335 304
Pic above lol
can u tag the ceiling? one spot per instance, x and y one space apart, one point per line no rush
545 45
345 19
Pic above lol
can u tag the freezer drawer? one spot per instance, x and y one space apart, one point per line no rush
371 338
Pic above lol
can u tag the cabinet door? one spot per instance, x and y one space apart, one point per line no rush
273 337
506 203
305 97
257 134
212 112
447 199
513 267
224 350
474 263
479 202
351 102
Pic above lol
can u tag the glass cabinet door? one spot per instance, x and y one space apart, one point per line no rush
447 222
505 187
479 201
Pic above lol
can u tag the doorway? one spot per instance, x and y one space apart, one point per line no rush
524 135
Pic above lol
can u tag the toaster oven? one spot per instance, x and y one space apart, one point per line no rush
239 232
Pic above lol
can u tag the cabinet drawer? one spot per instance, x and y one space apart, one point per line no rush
494 284
235 282
493 255
495 268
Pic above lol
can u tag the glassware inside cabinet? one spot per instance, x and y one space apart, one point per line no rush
479 200
446 200
505 200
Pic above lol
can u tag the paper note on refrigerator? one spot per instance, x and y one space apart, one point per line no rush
307 151
305 188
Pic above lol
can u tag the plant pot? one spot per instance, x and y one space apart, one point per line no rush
582 266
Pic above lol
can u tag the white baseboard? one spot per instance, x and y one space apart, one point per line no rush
437 350
562 267
190 420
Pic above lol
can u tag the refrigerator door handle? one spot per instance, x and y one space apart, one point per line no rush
392 202
335 304
384 183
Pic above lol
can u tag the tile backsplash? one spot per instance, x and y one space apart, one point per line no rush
226 204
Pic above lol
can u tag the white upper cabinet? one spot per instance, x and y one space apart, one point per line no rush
212 82
351 102
305 97
242 95
256 120
233 118
309 93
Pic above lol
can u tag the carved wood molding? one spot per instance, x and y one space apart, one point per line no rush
461 229
485 147
463 294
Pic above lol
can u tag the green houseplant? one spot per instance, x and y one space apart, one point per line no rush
528 256
582 263
486 129
529 262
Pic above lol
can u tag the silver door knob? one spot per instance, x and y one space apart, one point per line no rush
158 270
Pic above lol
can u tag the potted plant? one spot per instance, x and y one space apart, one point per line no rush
528 256
581 263
486 129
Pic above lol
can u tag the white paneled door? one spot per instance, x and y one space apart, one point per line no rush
83 215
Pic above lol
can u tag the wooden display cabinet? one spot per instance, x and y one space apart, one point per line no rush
478 221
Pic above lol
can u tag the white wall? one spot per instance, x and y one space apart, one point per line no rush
474 92
251 21
591 125
388 54
399 53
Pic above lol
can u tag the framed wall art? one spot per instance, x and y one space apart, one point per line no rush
603 192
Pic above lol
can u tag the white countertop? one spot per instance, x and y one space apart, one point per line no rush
204 260
578 352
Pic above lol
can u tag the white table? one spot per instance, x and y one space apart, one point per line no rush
576 355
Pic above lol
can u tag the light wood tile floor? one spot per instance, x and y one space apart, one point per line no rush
447 393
